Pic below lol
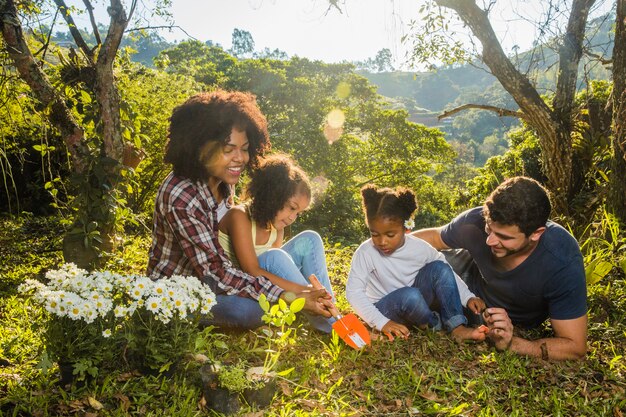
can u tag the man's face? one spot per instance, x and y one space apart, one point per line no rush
508 240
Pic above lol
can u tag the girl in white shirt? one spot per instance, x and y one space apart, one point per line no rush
398 281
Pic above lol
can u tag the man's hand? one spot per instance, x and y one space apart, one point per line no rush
500 327
316 301
476 305
391 329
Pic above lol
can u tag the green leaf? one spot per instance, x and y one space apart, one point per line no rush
282 304
265 305
597 270
220 344
85 97
297 305
285 372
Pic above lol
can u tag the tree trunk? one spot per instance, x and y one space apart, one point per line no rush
80 245
32 74
617 192
552 127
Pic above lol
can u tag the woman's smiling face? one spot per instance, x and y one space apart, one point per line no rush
227 164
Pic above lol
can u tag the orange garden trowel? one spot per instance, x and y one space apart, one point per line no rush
349 328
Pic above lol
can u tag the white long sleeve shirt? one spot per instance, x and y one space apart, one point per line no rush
374 275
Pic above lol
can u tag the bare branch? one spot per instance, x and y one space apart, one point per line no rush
161 27
46 43
92 19
570 53
78 38
603 60
499 110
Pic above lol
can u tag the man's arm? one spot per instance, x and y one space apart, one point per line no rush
432 236
569 341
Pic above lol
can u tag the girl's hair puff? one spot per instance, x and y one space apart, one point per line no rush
388 203
276 179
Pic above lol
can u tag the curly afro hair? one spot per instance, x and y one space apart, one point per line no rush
211 117
275 180
387 203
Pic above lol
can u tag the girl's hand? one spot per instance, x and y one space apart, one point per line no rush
392 329
476 304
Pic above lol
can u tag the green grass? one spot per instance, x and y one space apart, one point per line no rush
428 374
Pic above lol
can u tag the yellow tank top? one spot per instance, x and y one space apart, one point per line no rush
227 245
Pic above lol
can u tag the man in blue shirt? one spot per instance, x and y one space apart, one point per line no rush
529 269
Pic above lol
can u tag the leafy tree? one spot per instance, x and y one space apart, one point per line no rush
592 154
618 144
383 61
207 64
85 107
243 44
553 122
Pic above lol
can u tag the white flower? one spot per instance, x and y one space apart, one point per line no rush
153 304
106 333
409 224
120 311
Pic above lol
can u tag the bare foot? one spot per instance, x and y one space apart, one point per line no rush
462 333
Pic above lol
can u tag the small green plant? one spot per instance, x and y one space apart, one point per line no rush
279 315
603 247
234 377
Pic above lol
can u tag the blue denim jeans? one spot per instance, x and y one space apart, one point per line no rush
434 287
233 311
295 261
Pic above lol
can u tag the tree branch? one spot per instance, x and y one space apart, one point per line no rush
600 58
105 89
32 74
92 19
78 38
520 88
499 110
570 53
161 27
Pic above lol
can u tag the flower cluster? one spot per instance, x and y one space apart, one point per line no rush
75 293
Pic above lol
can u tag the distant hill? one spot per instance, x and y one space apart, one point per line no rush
425 95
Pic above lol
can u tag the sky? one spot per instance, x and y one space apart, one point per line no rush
308 28
301 27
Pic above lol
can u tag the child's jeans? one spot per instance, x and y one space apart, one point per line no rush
434 286
295 261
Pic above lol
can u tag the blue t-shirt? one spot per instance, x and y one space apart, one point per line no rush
549 283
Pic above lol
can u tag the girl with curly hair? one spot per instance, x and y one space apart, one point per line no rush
213 137
397 281
252 234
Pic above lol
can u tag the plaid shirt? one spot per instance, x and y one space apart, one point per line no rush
184 242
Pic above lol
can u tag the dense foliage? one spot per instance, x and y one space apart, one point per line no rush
371 143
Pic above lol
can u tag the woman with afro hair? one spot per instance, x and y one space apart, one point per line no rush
397 281
213 137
